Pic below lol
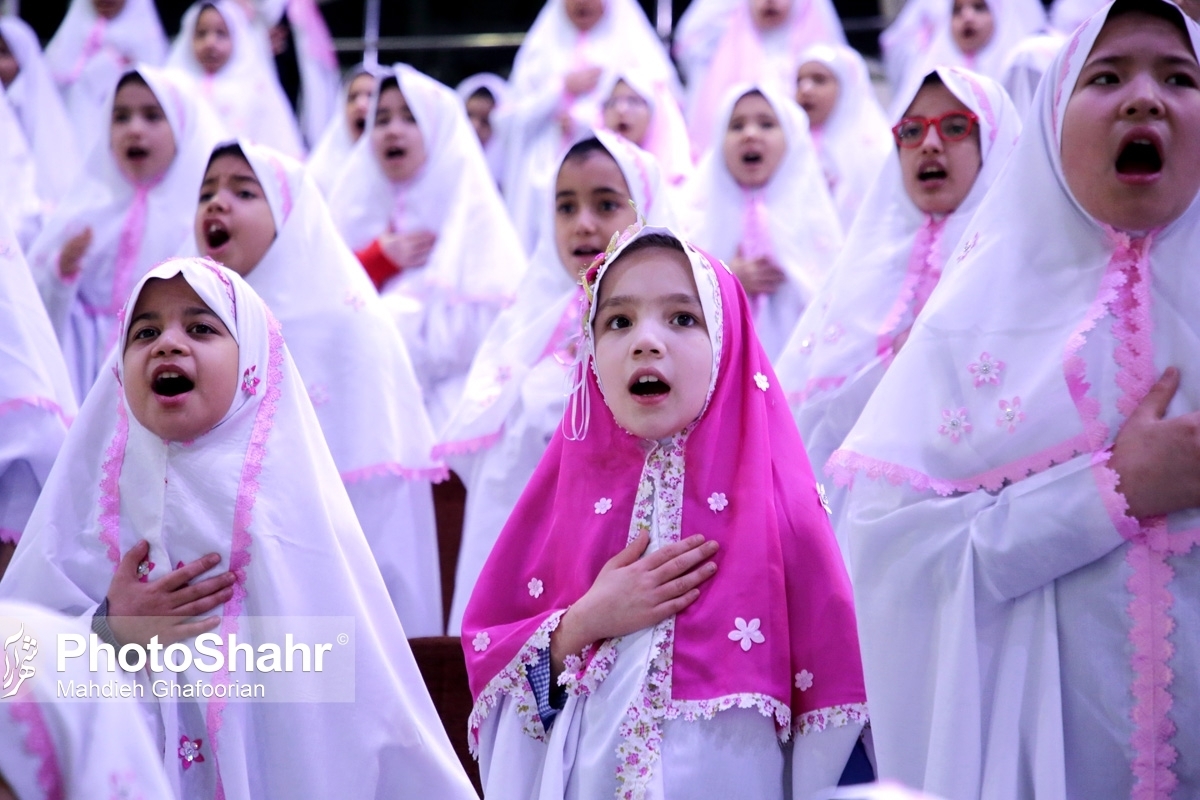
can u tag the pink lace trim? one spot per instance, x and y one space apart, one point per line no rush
814 387
129 244
985 104
243 516
434 474
1114 502
40 744
920 261
284 188
465 446
514 682
1062 76
831 717
110 491
43 403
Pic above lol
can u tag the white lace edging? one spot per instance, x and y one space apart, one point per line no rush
514 682
693 710
831 717
579 679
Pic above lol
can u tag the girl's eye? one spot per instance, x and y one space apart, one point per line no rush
684 319
565 209
144 333
247 194
1181 79
1105 79
608 206
120 116
381 120
206 196
616 322
409 118
203 328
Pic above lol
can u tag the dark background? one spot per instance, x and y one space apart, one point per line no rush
429 18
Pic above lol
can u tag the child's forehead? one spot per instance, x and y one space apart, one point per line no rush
649 273
231 163
1137 32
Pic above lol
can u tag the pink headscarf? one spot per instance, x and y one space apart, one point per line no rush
779 563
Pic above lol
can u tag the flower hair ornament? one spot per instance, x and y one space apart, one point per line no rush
579 406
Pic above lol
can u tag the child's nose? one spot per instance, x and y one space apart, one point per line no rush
1143 98
932 140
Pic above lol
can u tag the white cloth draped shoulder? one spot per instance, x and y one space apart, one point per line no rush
666 137
792 219
856 138
53 747
516 390
1021 635
328 157
261 490
361 382
494 151
133 227
540 108
89 53
37 402
444 307
245 93
893 257
19 203
34 97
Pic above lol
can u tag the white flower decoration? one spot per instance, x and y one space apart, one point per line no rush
761 381
603 505
747 633
717 501
535 588
481 641
804 680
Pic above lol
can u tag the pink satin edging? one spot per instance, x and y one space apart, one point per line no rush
467 446
243 516
918 262
393 469
40 744
110 493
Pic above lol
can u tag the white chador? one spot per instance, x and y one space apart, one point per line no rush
791 219
262 491
443 308
1022 636
516 390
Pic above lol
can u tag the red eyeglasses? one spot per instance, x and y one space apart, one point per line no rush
953 126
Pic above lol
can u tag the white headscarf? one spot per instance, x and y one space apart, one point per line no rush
328 158
37 402
133 227
89 53
361 383
745 54
1026 64
445 306
19 205
1012 21
909 35
245 93
844 341
317 62
666 136
53 748
35 99
495 149
261 490
856 138
792 218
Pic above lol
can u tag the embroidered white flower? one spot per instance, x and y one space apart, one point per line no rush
824 498
717 501
1010 414
747 633
804 680
834 332
535 588
603 505
761 381
954 424
481 641
986 369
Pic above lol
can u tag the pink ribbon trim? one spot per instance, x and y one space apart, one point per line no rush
392 469
40 744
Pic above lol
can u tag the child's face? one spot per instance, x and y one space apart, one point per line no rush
9 66
939 174
971 25
769 14
626 112
754 142
211 41
181 362
234 225
1131 132
358 103
591 203
108 9
397 141
141 139
584 14
653 354
816 91
479 111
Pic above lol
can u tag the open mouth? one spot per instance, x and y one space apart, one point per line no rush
1139 157
360 124
171 384
649 386
587 251
215 234
931 172
395 153
752 158
137 153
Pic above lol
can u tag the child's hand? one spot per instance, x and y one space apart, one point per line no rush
632 593
408 249
72 252
582 80
137 611
1158 460
758 275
